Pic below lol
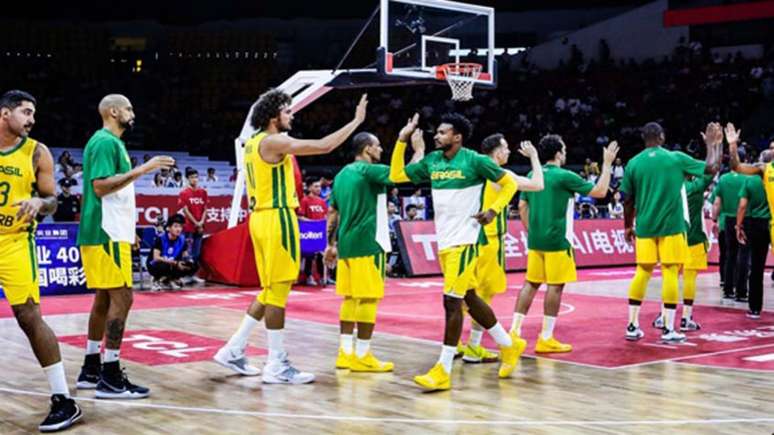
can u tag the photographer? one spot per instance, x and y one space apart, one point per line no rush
170 260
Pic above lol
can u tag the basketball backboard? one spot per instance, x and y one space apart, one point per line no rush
418 36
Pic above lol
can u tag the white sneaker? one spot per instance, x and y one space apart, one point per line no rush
311 281
197 280
234 359
658 322
689 325
672 336
634 333
156 286
281 372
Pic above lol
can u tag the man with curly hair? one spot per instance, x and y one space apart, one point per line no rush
274 229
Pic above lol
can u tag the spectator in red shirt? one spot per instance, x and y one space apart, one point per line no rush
313 208
193 203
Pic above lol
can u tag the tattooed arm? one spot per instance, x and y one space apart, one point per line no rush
45 201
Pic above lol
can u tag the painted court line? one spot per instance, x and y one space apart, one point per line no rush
354 418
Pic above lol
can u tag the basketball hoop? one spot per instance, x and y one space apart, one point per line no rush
461 78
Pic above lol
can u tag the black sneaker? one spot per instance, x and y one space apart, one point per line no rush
741 298
64 412
754 314
114 384
89 377
728 296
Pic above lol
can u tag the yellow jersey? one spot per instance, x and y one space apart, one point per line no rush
499 225
269 185
768 185
17 178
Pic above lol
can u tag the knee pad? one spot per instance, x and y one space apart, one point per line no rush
348 310
366 310
276 294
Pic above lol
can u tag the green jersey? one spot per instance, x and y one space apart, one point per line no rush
360 196
655 179
757 205
104 156
694 189
552 210
457 189
728 188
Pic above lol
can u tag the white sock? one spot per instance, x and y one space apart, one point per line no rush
111 355
500 336
362 347
518 318
345 342
669 319
548 327
634 315
447 357
475 337
687 312
92 346
57 380
239 339
276 349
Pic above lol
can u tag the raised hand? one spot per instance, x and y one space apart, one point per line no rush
713 134
409 128
609 153
418 140
732 134
360 111
527 150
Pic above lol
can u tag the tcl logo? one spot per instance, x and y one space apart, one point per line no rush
317 208
196 201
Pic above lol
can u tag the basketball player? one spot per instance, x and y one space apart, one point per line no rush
358 235
105 235
274 229
654 186
457 176
548 219
27 190
754 227
490 269
697 251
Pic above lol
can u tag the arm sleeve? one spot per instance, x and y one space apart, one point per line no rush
103 160
507 190
574 183
690 165
400 173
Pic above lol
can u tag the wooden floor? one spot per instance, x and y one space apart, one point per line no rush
544 395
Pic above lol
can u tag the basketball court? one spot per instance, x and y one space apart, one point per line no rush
717 382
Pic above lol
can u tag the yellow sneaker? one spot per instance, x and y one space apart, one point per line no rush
551 345
344 360
435 379
478 354
510 355
369 363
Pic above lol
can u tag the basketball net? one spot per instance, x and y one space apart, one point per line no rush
461 78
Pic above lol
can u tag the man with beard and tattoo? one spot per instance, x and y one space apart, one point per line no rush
27 190
105 235
274 229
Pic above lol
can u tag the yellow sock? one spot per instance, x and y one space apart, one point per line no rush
670 292
348 309
639 284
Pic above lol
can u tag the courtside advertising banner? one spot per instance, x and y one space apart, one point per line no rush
596 243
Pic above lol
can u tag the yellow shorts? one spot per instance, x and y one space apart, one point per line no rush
697 257
107 266
19 268
490 270
361 277
275 237
551 267
458 265
665 250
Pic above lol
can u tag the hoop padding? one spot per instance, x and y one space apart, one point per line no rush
461 78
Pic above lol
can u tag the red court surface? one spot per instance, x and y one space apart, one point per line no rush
412 308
